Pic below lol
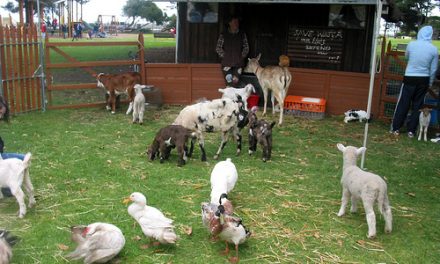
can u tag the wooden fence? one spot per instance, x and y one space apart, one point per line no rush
86 66
20 62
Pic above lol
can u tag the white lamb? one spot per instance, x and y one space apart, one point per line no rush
358 184
424 119
233 93
138 104
223 179
13 172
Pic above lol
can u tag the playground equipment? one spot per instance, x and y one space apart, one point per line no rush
110 28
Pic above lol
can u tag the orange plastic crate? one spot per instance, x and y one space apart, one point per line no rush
301 103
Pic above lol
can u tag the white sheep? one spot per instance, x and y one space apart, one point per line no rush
13 172
209 116
223 178
358 184
138 104
233 93
424 119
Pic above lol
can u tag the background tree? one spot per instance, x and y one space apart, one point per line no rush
136 9
133 9
415 13
46 6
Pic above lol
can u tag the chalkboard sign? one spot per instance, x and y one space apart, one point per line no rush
322 45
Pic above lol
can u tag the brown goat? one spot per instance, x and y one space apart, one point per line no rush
260 131
116 84
170 137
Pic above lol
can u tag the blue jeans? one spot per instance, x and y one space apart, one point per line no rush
6 192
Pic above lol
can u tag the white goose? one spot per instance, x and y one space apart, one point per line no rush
153 222
97 242
223 178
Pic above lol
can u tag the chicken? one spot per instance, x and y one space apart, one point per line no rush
153 222
6 242
97 242
233 231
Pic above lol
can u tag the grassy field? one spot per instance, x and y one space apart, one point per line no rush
108 52
86 161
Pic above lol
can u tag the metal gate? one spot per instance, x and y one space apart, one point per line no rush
20 67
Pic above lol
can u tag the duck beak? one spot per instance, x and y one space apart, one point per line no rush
126 200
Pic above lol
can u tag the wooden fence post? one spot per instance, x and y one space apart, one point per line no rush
142 58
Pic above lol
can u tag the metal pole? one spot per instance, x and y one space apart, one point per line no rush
41 66
372 72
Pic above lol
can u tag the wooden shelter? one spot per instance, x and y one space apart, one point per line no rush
329 43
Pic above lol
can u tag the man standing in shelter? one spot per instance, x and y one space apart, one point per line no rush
232 47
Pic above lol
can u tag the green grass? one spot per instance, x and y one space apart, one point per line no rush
395 41
96 53
86 161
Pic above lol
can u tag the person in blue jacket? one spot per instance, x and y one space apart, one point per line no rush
419 75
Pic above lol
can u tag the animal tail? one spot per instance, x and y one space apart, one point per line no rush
221 90
228 160
27 160
382 201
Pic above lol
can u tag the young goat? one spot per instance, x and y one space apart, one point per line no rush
260 131
424 119
138 104
12 174
238 93
168 138
358 184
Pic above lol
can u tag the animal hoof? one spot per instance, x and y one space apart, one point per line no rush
371 236
113 112
233 259
264 159
215 157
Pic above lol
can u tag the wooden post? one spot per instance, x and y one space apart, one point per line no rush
20 12
142 58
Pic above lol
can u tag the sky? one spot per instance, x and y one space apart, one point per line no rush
94 8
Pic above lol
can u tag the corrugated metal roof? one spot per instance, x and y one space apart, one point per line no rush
351 2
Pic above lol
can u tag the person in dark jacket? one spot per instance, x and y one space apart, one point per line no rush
232 48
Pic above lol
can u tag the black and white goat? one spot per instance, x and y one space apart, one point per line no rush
353 115
260 131
170 137
209 116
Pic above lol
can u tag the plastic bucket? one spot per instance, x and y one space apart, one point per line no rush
253 100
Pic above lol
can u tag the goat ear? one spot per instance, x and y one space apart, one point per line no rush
361 150
341 147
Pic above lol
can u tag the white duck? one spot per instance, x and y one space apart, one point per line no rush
97 242
223 179
233 231
153 222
